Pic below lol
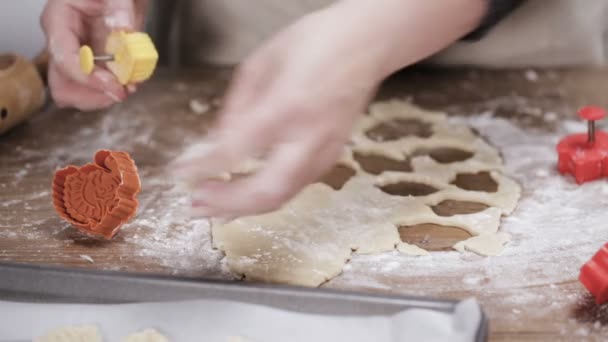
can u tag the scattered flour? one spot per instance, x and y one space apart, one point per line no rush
472 279
531 75
20 174
87 258
160 233
572 127
390 266
550 116
198 107
552 235
557 226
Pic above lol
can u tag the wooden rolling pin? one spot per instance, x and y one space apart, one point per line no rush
22 91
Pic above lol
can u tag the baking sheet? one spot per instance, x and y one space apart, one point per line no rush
130 298
210 320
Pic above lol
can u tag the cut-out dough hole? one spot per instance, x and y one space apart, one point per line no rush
6 61
376 164
408 189
399 128
446 155
481 181
433 237
3 113
451 208
338 176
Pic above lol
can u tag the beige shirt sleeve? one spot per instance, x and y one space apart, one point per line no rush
539 33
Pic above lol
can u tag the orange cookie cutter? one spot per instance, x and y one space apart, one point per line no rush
98 198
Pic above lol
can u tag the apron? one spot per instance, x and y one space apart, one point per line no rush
539 33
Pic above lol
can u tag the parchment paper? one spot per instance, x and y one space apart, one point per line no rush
217 321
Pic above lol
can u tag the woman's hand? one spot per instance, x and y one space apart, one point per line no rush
296 98
70 23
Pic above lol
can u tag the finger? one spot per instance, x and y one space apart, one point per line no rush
72 97
249 82
131 88
258 193
236 138
234 132
230 145
67 93
252 80
119 14
106 81
287 171
90 8
211 158
63 27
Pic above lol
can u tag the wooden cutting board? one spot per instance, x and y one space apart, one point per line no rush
161 119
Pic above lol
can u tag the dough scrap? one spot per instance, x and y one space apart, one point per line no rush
410 249
199 107
84 333
308 241
486 244
148 335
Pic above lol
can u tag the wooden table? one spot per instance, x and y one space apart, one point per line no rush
155 124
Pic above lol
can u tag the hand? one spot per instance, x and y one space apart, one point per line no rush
70 23
296 98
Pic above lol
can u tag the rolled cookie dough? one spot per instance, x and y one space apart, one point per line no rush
309 240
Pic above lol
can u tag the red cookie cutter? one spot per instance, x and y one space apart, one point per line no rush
98 198
594 275
585 156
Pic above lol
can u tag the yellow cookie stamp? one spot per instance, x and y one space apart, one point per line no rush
131 56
